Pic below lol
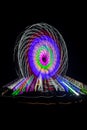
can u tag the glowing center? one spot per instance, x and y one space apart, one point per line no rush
44 60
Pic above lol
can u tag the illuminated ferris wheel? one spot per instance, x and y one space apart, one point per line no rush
41 60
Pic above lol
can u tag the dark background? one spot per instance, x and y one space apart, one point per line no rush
71 22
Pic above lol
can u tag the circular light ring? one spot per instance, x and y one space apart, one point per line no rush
44 47
42 40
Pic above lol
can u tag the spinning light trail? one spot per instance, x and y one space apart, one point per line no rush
42 59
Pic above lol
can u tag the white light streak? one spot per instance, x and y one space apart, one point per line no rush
71 88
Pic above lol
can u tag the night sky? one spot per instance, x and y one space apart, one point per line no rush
71 23
72 26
